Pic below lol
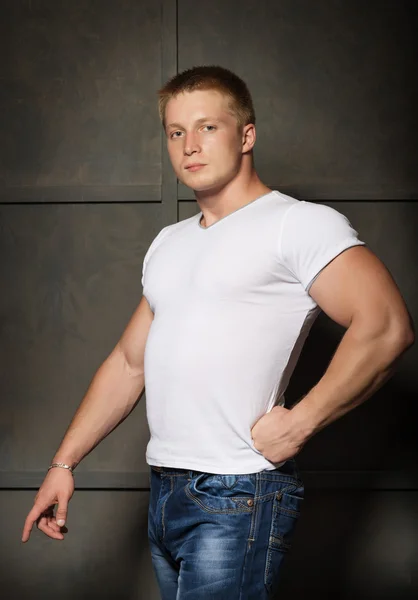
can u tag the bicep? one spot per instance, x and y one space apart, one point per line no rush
357 285
133 340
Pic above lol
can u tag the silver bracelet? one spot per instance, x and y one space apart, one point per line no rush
62 465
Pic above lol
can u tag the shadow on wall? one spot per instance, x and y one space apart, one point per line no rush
377 435
358 534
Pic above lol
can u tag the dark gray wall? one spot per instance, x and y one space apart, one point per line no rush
86 185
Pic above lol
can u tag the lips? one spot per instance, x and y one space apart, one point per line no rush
194 166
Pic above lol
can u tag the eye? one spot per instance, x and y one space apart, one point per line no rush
172 135
212 126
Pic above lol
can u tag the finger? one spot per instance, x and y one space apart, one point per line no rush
53 524
30 520
61 514
44 527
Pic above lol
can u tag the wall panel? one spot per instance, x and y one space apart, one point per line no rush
79 83
332 88
73 279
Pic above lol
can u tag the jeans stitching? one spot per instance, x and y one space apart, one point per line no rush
241 510
163 507
284 545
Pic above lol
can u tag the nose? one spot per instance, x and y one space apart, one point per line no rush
191 144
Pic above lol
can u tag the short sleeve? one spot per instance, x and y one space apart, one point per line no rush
149 252
312 236
144 266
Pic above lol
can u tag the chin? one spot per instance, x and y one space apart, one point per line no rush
195 183
198 184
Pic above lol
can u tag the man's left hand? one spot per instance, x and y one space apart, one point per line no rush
275 436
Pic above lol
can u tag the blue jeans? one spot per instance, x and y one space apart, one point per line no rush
221 537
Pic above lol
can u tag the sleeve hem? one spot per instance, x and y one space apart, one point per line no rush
329 257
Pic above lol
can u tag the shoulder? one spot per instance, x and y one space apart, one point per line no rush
175 228
308 220
312 236
169 231
301 211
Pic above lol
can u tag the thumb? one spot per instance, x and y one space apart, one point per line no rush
61 514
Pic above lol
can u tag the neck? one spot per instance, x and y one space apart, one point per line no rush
218 203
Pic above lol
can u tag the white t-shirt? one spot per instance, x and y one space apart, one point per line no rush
231 313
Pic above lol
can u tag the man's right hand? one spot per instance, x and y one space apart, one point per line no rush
57 488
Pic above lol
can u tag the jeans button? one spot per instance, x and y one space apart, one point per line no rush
250 502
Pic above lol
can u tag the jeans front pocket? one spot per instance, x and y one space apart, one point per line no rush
222 493
286 508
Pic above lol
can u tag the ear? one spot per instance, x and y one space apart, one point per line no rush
248 137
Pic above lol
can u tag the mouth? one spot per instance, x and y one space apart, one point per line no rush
194 167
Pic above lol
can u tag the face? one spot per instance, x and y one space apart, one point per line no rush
201 129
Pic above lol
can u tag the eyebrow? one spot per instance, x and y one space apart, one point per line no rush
198 122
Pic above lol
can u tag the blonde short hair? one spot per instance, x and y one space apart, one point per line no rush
211 77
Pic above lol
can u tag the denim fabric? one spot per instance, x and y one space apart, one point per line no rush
221 537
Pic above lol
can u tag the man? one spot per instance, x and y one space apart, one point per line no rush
229 296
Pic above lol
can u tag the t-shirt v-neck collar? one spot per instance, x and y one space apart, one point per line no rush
200 215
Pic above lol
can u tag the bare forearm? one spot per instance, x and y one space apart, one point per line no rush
361 365
111 396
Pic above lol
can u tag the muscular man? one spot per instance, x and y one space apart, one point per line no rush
229 297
